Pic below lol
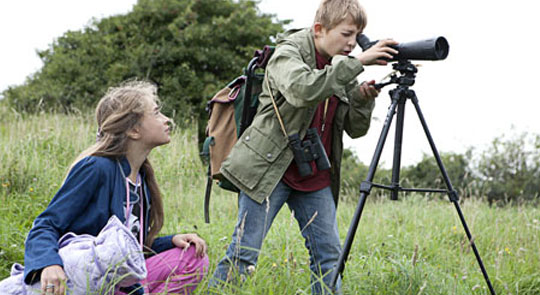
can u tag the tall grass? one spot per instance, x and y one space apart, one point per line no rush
413 246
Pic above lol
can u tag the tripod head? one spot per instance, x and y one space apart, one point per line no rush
408 74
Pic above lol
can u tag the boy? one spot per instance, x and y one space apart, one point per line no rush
310 83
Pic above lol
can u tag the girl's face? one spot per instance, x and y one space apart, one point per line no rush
154 127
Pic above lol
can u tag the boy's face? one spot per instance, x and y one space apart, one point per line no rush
338 40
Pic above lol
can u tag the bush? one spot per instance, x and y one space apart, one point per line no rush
510 169
426 173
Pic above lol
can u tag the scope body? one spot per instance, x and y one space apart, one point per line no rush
429 49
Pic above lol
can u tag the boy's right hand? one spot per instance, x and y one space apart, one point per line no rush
376 53
53 278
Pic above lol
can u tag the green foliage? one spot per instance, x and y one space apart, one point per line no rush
510 168
424 174
427 174
353 172
190 48
508 171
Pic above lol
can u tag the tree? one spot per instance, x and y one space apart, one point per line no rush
510 169
426 173
190 48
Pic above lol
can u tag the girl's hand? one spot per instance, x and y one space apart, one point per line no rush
53 280
184 240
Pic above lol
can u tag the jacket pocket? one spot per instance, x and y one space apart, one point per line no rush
252 156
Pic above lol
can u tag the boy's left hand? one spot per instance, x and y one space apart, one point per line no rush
368 91
184 240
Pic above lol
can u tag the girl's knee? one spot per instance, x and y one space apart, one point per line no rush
189 262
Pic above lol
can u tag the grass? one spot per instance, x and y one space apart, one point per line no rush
413 246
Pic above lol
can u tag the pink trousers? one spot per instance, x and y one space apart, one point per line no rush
175 271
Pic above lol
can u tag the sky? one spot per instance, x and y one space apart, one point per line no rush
483 90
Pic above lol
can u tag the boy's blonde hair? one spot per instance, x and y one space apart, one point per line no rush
332 12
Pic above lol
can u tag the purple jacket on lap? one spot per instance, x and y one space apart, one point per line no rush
92 264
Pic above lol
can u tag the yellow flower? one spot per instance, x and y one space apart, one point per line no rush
507 250
5 184
31 189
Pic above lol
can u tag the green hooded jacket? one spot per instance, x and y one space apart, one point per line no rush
261 156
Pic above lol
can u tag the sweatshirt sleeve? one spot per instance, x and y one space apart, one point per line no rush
161 244
41 245
302 86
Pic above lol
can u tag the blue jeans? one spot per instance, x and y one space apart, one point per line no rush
316 216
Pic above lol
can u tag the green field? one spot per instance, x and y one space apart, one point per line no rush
413 246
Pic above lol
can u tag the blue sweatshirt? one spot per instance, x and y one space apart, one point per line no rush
93 191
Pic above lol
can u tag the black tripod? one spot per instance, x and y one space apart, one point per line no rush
399 96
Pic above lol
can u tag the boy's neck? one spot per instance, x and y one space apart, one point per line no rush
319 50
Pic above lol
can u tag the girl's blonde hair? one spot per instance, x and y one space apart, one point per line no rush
121 109
332 12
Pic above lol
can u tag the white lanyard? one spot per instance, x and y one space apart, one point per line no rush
128 208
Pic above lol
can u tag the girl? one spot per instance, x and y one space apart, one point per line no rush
130 125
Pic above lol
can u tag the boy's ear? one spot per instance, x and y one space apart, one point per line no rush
318 29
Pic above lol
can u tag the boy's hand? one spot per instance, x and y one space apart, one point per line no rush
376 53
368 91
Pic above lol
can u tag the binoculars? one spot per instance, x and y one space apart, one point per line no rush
311 149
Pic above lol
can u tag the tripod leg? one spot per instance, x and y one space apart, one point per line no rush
452 193
365 189
398 139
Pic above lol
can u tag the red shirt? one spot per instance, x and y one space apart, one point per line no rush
318 179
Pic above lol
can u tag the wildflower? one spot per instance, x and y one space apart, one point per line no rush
5 184
250 269
454 228
507 250
31 189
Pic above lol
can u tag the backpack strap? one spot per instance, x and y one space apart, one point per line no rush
264 55
207 195
275 105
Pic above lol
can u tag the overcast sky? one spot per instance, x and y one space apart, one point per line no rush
485 88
